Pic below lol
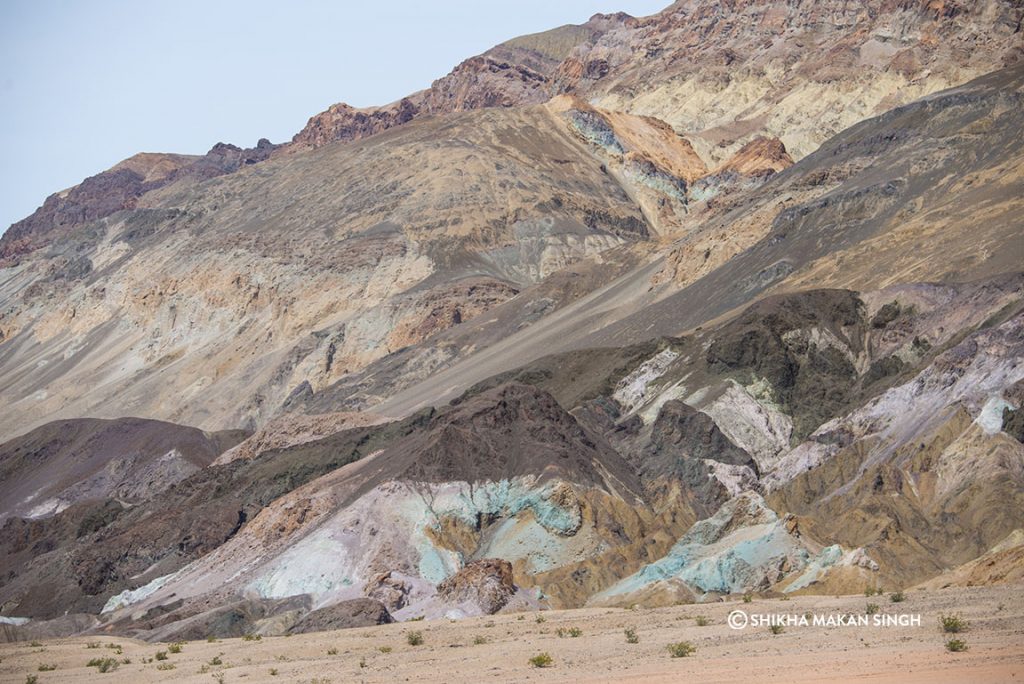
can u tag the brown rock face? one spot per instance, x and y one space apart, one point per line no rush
487 582
761 156
514 73
120 188
344 122
477 83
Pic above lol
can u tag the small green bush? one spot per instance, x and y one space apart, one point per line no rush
46 667
93 644
776 629
479 639
871 608
631 636
953 624
542 660
252 637
702 621
176 647
414 638
956 645
682 649
541 619
897 597
332 651
747 598
384 649
165 666
216 661
161 655
273 672
103 664
31 679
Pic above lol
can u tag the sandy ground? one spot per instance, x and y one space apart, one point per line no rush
600 654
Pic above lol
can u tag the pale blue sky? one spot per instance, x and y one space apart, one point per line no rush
86 84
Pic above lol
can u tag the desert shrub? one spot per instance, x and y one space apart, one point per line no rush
871 608
332 651
702 621
747 598
176 647
956 645
542 660
631 636
414 638
103 664
478 640
776 629
252 637
681 649
216 661
211 639
165 666
897 597
93 644
161 655
46 667
273 672
541 619
953 624
31 679
384 649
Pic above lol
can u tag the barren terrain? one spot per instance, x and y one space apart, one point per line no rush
600 654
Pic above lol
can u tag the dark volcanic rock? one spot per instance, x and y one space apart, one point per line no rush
363 612
181 523
502 433
682 433
131 459
681 440
773 340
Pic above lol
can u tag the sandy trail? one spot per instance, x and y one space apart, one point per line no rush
600 654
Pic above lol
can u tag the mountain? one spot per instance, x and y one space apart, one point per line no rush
725 300
724 73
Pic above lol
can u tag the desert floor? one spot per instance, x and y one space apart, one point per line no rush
498 648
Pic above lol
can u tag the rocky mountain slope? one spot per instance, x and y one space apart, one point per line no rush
875 206
613 314
724 73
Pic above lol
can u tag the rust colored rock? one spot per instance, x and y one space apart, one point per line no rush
486 582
